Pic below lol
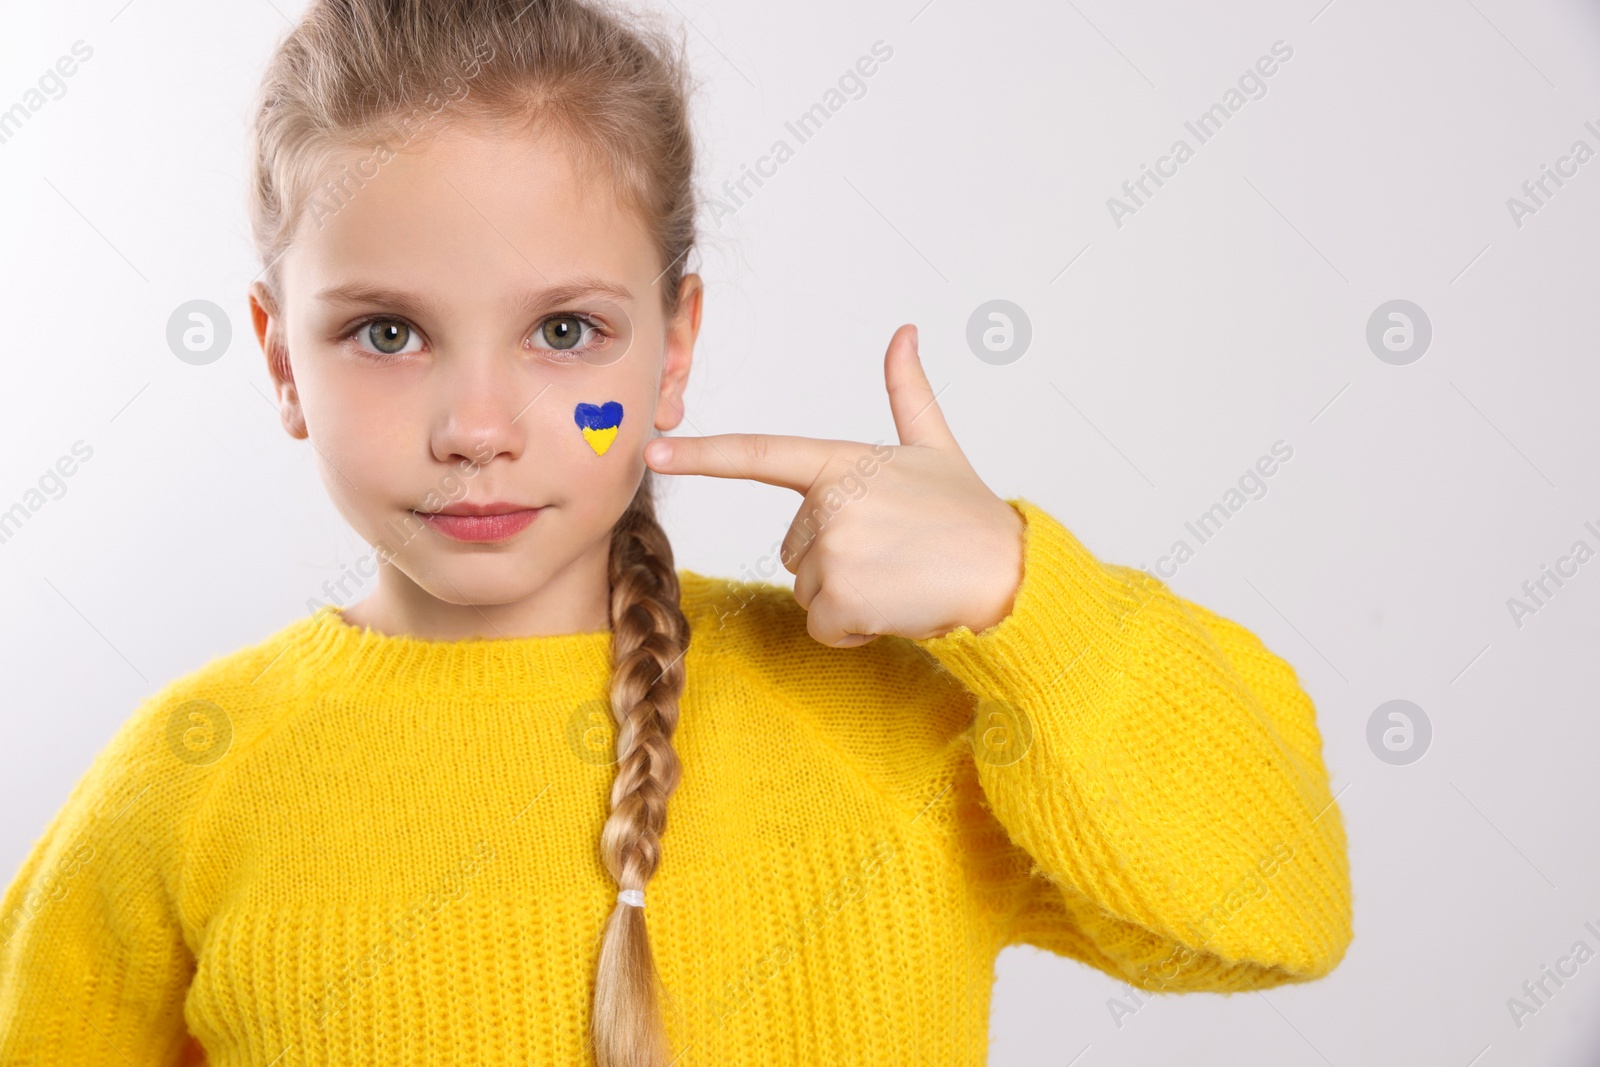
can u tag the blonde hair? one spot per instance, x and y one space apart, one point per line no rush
359 73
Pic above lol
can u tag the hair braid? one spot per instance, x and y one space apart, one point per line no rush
649 636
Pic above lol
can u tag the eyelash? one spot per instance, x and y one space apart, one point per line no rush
562 355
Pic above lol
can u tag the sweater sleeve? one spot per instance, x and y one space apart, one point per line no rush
93 965
1159 775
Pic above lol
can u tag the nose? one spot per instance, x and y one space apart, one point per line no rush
480 404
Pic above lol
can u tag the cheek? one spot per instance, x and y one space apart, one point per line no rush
359 424
597 456
605 416
594 447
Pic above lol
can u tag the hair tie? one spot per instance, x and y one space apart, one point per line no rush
631 896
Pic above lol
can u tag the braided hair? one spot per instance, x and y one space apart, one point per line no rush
649 635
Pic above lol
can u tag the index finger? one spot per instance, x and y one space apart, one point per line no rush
777 459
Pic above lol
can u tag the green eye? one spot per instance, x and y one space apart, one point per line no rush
562 331
388 336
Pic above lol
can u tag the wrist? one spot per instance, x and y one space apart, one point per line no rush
1003 571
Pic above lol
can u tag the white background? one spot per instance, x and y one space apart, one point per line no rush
1227 314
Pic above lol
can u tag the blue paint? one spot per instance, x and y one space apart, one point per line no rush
598 416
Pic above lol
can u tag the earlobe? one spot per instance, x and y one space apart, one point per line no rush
290 413
669 406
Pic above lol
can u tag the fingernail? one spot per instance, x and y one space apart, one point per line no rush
660 452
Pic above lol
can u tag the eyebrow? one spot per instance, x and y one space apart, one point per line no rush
531 300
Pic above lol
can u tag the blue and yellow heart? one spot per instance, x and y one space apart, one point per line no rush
599 424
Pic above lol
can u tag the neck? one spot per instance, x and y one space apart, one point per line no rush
469 604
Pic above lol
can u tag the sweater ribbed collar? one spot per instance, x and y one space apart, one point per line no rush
330 649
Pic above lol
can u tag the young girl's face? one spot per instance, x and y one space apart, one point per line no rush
481 324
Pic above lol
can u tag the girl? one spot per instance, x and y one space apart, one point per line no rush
425 827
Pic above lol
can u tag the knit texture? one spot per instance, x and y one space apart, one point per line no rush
345 847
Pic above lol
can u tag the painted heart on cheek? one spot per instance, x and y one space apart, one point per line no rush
599 424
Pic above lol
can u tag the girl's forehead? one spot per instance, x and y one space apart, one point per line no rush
473 203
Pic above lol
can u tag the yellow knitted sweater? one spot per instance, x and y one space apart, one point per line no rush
345 847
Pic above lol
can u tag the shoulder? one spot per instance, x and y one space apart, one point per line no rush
176 739
887 709
202 714
760 628
135 801
746 620
724 612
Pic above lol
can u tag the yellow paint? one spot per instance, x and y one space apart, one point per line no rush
600 440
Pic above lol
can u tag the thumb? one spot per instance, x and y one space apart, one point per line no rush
917 417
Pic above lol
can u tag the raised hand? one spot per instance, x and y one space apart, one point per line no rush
889 539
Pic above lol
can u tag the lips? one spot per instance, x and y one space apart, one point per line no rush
480 522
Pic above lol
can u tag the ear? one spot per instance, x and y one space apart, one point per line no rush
682 330
270 332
